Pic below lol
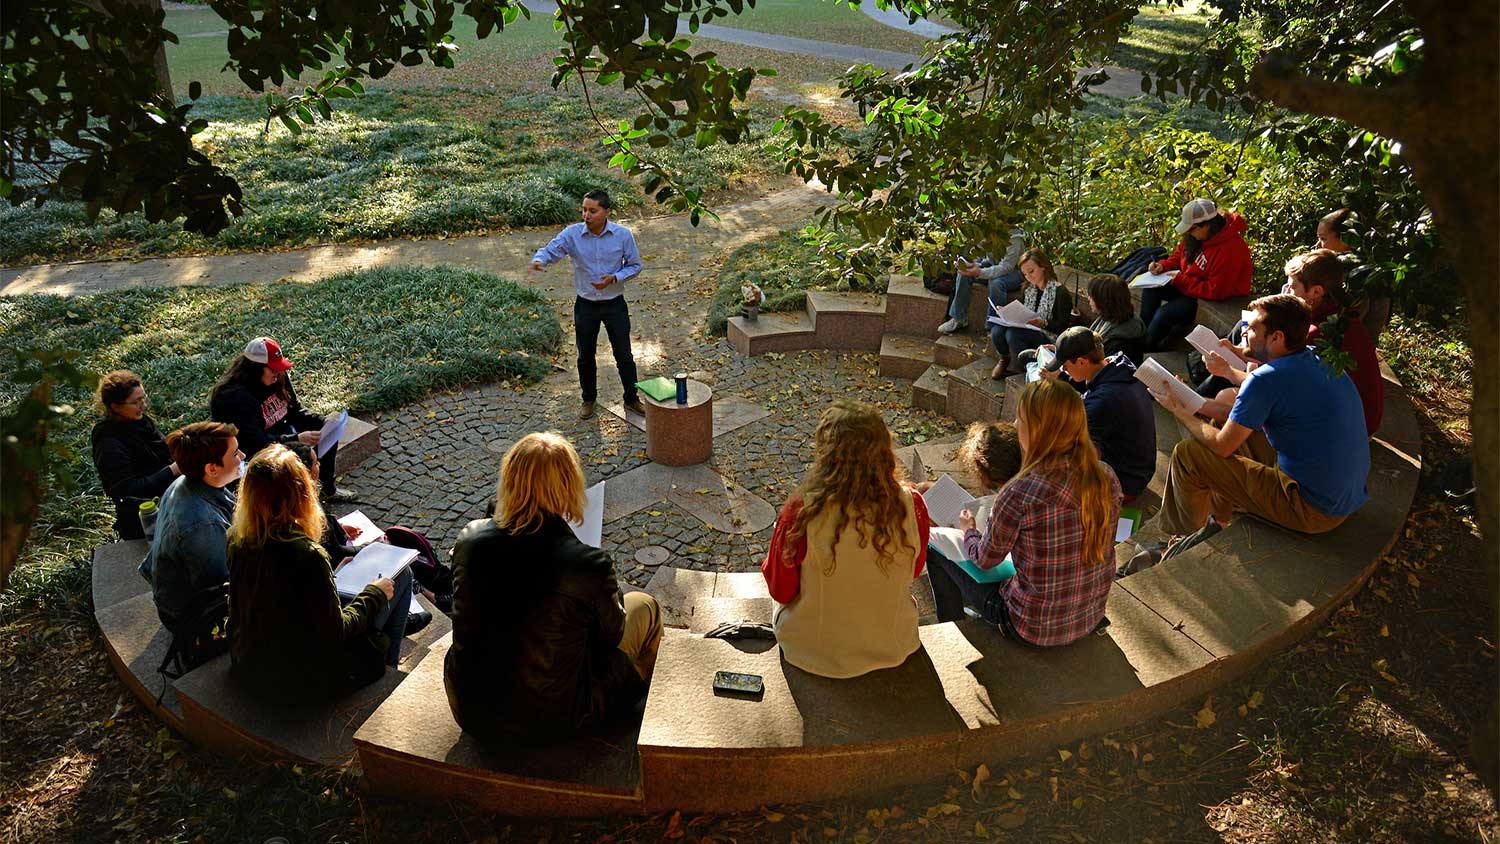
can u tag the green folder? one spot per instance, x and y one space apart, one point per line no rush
660 388
1132 515
1005 571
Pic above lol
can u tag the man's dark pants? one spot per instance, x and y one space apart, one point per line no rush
614 315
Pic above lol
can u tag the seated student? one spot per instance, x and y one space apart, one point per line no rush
1122 422
1115 318
129 452
1213 263
337 539
1001 277
1374 311
1317 279
289 639
187 556
1313 421
544 645
1056 521
846 548
255 395
1047 298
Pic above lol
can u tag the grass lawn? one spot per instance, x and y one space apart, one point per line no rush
366 341
822 20
1161 31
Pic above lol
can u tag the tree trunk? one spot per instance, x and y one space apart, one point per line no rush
25 484
158 58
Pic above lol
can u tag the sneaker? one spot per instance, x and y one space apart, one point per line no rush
1201 534
416 621
1149 555
341 495
952 325
635 406
586 410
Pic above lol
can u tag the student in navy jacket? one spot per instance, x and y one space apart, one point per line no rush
1122 422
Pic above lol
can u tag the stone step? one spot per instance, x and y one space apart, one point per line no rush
360 442
219 715
1014 384
952 704
115 575
771 333
851 321
410 748
911 308
136 642
972 395
905 356
699 600
930 390
954 351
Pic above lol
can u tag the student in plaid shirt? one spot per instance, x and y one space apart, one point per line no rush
1055 519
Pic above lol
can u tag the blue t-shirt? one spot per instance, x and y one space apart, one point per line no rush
1317 426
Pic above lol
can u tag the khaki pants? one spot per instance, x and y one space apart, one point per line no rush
1200 484
642 632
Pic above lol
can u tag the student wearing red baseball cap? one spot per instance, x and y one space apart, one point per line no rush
256 396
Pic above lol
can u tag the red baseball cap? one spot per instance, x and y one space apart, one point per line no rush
267 351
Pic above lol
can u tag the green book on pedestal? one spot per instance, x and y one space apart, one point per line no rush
660 388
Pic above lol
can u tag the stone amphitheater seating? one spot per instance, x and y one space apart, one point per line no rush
967 696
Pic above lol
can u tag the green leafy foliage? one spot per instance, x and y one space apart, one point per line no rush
1121 186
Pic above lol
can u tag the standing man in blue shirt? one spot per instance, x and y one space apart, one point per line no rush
604 256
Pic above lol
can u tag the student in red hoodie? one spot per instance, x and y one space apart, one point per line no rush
1213 263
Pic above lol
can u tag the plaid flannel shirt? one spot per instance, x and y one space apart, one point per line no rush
1055 597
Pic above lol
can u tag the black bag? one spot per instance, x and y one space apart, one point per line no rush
430 572
942 284
201 635
1136 262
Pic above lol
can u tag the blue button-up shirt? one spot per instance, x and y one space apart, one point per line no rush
594 256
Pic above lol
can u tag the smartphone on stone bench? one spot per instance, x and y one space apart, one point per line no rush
729 682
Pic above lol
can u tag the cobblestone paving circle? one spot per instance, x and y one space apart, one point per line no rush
438 468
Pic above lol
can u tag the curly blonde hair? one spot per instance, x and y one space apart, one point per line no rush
855 476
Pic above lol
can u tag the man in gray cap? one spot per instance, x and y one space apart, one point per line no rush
1122 422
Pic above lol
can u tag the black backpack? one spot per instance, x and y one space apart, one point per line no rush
199 637
430 572
1136 262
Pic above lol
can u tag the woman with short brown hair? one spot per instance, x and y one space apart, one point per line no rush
130 454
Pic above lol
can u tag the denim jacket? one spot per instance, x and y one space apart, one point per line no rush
189 552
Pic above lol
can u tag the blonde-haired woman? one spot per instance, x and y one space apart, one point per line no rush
846 548
544 645
1055 520
289 638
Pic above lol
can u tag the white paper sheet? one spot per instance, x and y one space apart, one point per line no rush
1153 279
1124 529
590 531
948 541
333 431
373 561
945 499
1203 339
1159 380
1013 315
368 531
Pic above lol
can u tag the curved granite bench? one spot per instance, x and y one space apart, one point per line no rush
968 696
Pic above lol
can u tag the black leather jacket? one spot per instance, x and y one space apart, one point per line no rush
537 623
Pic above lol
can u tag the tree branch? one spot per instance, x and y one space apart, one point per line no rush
1386 109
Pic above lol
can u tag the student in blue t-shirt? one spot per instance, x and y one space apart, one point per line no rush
1313 421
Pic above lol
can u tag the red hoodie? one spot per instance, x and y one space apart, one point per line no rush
1222 269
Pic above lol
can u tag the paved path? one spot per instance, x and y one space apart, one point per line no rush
897 20
508 253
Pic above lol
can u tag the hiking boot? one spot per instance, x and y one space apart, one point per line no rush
952 325
635 406
416 621
586 410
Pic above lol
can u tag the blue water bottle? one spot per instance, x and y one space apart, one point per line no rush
682 388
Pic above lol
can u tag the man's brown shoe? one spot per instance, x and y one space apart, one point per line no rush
635 406
586 411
